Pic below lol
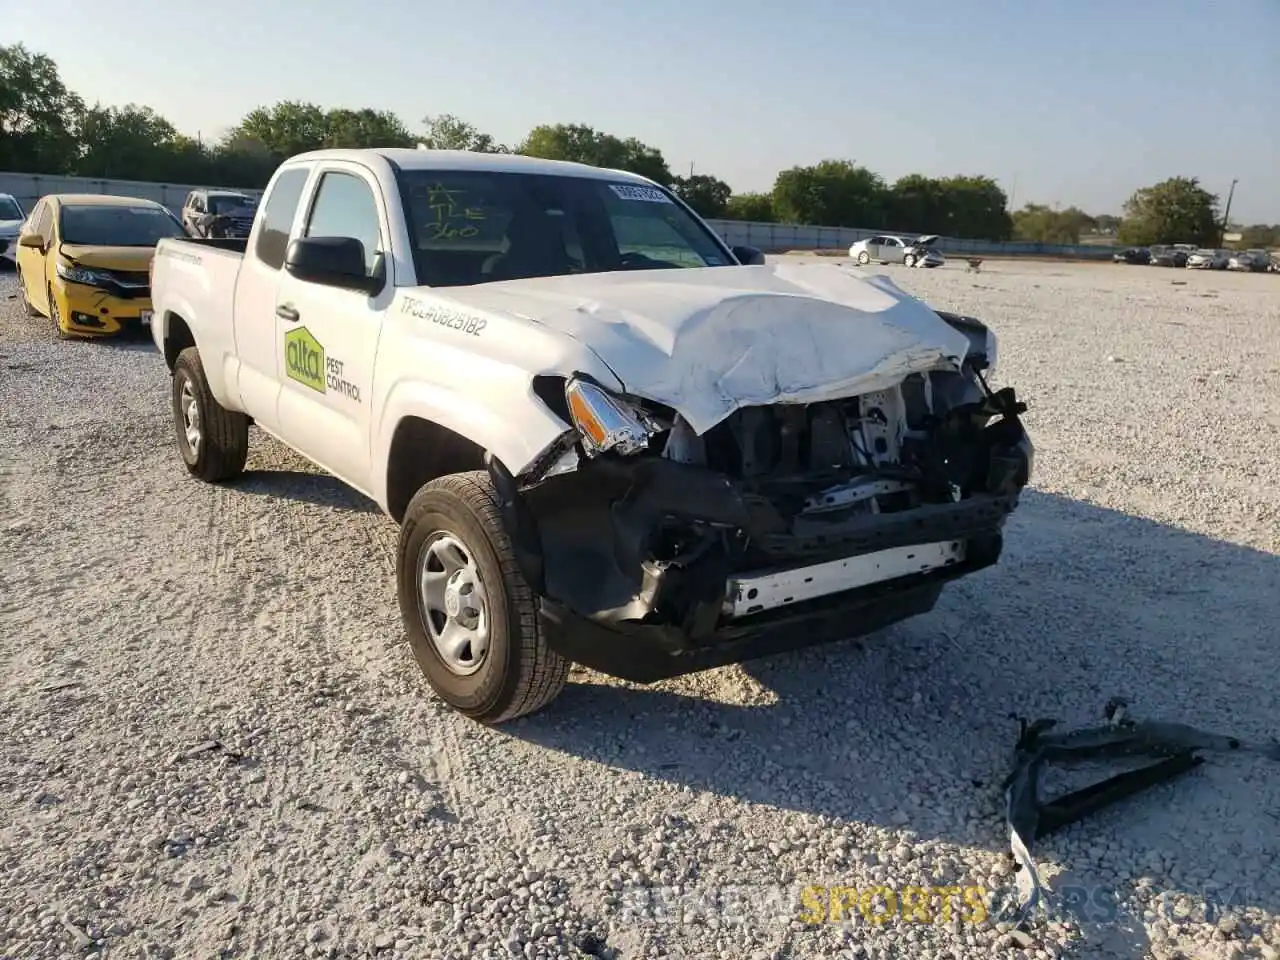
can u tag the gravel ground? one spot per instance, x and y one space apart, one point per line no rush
216 743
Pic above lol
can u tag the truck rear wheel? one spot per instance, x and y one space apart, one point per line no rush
213 441
469 614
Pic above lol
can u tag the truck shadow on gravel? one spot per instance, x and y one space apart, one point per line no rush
132 341
318 489
909 729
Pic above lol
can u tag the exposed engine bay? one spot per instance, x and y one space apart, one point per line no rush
636 521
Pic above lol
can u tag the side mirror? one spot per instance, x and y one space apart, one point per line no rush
749 256
332 261
32 240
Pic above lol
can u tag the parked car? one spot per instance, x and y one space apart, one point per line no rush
218 213
573 397
1207 259
1164 256
1253 261
11 217
83 261
1132 255
890 248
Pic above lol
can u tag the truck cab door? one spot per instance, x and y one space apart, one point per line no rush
328 335
253 313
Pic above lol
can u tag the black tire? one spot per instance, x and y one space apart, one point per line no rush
55 318
519 673
222 445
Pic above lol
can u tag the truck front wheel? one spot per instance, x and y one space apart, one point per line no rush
469 614
213 441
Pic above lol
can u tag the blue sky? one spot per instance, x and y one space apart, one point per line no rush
1062 101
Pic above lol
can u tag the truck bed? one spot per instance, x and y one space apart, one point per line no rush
229 244
193 282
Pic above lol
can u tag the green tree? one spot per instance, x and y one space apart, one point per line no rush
1106 223
1041 224
708 195
1177 210
448 132
1260 236
285 129
583 144
833 193
917 203
976 207
366 128
754 207
130 143
241 161
38 114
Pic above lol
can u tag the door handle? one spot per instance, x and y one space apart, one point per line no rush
287 311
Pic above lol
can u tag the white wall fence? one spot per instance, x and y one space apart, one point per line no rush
30 187
769 237
779 237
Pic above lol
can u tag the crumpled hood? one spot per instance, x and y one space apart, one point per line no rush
108 258
708 341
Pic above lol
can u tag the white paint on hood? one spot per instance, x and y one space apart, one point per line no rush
710 340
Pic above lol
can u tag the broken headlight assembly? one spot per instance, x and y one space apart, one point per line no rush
606 421
990 352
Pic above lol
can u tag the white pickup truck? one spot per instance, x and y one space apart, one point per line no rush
608 438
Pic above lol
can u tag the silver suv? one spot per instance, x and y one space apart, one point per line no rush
219 213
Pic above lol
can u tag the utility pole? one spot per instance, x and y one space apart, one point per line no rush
1222 239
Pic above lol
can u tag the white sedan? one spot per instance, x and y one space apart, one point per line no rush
891 248
1208 259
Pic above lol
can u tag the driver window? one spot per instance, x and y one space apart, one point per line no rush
344 207
652 237
43 225
32 223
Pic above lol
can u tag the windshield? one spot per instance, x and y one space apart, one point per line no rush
9 209
225 204
112 226
476 226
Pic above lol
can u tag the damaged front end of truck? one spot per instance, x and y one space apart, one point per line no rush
657 551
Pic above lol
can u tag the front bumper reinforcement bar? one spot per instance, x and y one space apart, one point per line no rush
1029 818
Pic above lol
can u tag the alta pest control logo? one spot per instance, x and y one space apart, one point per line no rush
304 359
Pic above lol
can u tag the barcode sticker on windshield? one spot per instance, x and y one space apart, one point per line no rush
629 191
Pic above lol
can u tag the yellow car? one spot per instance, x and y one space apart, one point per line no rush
84 261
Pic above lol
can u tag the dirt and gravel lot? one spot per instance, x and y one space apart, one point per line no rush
342 812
